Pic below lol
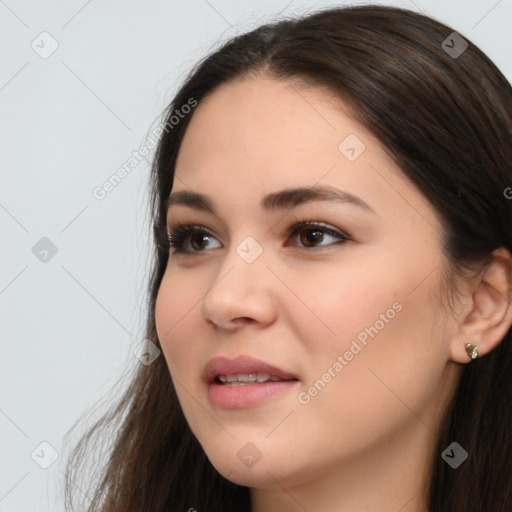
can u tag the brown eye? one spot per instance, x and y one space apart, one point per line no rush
179 235
311 234
200 239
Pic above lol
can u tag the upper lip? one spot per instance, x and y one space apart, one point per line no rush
222 365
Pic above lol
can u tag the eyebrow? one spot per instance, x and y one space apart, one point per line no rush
284 199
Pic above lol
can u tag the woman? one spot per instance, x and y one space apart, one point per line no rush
331 291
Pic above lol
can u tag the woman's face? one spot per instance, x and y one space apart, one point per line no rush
357 323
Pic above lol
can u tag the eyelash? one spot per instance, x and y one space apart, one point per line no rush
178 234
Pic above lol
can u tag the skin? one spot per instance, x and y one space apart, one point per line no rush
363 442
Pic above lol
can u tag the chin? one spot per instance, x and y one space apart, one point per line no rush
259 476
271 471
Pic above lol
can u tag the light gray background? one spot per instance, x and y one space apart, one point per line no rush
67 123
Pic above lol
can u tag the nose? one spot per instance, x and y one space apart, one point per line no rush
240 293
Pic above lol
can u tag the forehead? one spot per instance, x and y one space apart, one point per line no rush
262 111
266 127
253 136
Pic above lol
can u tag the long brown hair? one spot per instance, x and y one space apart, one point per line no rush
446 120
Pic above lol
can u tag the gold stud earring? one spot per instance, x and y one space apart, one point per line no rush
472 350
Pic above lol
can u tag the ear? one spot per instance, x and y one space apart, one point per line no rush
488 313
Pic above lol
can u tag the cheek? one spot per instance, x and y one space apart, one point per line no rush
176 311
390 352
338 305
376 319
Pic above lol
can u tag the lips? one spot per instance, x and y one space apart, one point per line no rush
242 364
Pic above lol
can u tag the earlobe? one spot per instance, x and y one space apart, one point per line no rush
490 317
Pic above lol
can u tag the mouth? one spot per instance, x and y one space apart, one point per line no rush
245 381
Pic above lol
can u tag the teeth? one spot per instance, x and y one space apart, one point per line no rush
247 378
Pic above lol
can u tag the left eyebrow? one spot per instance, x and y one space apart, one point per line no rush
284 199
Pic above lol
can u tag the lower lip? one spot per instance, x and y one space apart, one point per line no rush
237 397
